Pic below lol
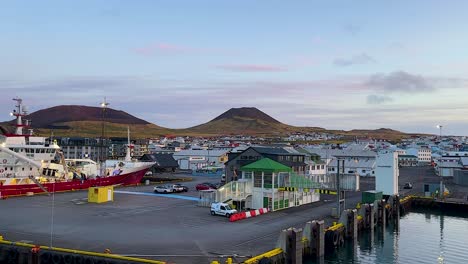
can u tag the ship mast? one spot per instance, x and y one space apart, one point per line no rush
128 157
19 113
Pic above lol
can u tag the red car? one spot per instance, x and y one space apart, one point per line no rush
205 186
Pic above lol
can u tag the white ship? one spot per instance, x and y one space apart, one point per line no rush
23 155
31 165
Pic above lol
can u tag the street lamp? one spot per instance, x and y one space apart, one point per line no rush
440 131
104 105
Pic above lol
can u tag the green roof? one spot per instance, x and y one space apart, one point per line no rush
267 165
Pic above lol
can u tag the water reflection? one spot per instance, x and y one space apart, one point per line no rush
420 237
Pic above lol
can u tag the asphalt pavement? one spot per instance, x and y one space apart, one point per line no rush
156 227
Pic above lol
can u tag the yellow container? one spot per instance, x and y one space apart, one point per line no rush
101 194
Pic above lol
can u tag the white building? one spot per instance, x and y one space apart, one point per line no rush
387 173
424 154
196 159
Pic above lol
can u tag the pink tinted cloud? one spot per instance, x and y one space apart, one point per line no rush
251 68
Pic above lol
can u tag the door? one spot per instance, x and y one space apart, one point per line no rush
109 195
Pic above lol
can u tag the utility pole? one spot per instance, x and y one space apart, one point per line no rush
440 131
339 193
104 105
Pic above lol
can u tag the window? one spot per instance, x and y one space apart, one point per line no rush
258 181
248 175
267 180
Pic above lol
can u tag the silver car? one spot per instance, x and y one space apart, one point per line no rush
163 189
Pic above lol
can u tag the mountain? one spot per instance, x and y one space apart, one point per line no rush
77 120
240 121
50 117
86 121
246 113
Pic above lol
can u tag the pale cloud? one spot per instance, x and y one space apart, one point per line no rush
378 99
176 49
329 103
401 82
162 47
318 40
352 29
362 58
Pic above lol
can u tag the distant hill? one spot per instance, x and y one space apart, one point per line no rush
246 113
50 117
241 121
75 120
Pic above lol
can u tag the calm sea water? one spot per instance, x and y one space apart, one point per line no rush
422 237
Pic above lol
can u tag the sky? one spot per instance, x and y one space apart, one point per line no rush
332 64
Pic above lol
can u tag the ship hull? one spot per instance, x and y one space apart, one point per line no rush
131 178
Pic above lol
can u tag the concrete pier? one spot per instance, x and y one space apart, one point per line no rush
290 241
314 233
349 221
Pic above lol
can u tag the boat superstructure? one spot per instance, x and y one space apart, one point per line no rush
30 164
22 155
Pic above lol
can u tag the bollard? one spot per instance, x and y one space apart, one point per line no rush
318 238
35 255
382 213
295 241
351 225
366 215
229 261
371 216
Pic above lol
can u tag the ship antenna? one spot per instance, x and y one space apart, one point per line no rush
128 157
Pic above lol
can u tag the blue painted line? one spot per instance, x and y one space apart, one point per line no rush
189 198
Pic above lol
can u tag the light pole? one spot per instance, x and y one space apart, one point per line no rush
104 105
440 131
339 193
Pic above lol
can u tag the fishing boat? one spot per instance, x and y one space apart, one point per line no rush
30 165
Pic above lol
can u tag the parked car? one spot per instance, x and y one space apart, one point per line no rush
222 209
179 188
163 189
408 185
205 186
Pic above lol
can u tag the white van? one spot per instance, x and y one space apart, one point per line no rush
222 209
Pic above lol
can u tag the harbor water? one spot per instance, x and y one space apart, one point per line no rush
421 237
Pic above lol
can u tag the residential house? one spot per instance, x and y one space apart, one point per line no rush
407 160
163 162
266 183
194 159
285 155
424 154
84 148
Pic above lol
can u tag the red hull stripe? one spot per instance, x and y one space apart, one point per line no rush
133 178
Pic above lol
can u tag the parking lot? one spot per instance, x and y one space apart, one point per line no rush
161 226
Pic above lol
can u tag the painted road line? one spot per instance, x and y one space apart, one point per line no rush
175 196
